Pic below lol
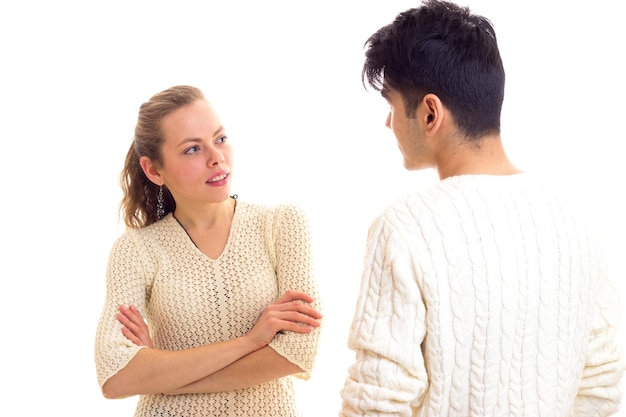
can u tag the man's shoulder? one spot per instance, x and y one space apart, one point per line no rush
411 208
459 196
425 198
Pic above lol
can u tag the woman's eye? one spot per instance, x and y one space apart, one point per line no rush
191 150
222 139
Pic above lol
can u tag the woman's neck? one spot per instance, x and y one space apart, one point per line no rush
205 217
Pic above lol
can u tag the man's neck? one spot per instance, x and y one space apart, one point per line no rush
488 158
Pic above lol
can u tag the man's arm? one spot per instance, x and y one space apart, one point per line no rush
389 376
600 391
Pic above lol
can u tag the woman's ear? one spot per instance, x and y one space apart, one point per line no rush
151 170
432 114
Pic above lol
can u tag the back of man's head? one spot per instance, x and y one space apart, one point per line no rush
443 49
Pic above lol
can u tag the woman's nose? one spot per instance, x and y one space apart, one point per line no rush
388 121
215 158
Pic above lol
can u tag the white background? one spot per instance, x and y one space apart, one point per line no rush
285 77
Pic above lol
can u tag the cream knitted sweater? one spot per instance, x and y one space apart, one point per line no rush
484 296
190 300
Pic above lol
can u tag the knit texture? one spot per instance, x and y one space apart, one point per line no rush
190 300
484 296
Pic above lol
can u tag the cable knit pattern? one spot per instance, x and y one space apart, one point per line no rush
484 296
190 300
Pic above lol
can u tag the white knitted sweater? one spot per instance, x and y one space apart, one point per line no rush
190 300
484 296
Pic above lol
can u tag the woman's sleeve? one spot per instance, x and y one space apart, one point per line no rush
125 284
389 375
294 271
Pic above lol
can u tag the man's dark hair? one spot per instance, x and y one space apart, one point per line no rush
443 49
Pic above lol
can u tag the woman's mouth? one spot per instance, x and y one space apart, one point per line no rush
218 178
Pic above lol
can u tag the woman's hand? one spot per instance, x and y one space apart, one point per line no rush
290 312
135 328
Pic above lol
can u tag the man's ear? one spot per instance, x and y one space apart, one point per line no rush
432 114
151 170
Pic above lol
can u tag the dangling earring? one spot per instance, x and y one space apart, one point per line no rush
160 211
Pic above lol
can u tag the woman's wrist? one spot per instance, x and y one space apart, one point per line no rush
250 344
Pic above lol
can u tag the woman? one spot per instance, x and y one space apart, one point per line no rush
226 286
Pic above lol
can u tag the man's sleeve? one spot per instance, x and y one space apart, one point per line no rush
389 325
600 391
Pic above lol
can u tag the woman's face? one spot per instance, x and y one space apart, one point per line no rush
196 155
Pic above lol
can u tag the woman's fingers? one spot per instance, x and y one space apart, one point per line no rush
292 295
300 319
124 317
297 306
131 336
293 312
290 312
135 328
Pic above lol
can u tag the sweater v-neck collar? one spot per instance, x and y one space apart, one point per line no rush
231 233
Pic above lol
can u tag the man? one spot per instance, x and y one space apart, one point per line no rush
485 294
